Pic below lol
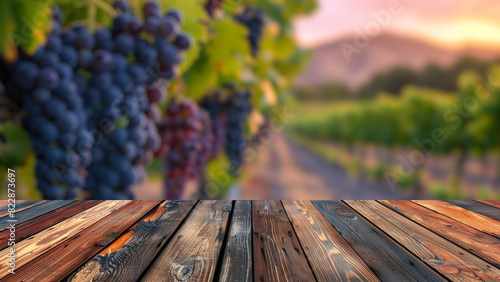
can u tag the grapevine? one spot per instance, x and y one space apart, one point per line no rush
44 86
187 137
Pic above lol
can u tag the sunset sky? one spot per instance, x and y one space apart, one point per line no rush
450 22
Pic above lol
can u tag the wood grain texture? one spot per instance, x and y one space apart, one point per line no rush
194 250
479 208
471 218
477 242
4 212
36 245
128 257
387 259
36 211
445 257
492 203
237 260
46 220
3 204
330 256
277 253
66 257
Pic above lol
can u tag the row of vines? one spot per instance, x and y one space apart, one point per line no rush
424 121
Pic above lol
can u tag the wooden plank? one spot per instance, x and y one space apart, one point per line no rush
19 207
194 250
237 260
44 221
128 257
36 245
387 259
450 260
36 211
65 258
477 242
479 208
277 254
329 255
471 218
492 203
5 204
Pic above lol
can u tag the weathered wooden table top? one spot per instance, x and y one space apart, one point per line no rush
253 240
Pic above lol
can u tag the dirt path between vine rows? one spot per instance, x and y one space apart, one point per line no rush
285 170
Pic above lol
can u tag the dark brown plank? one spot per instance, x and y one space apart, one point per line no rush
62 260
277 254
466 216
330 256
36 211
479 208
194 250
492 203
31 248
388 260
477 242
19 207
128 257
237 260
450 260
46 220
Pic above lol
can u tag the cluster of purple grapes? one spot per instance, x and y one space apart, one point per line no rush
44 86
121 94
214 105
187 140
90 100
254 20
238 109
229 114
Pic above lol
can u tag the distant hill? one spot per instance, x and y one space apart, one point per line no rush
384 52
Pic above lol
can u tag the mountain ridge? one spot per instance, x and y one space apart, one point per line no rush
328 63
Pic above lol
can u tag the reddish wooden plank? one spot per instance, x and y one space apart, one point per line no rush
193 253
452 261
389 260
128 257
492 203
473 219
330 256
479 208
65 258
36 245
277 254
477 242
46 220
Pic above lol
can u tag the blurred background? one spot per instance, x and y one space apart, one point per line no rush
403 96
351 100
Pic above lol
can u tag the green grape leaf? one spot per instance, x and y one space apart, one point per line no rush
94 13
200 77
228 47
23 23
17 146
195 19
